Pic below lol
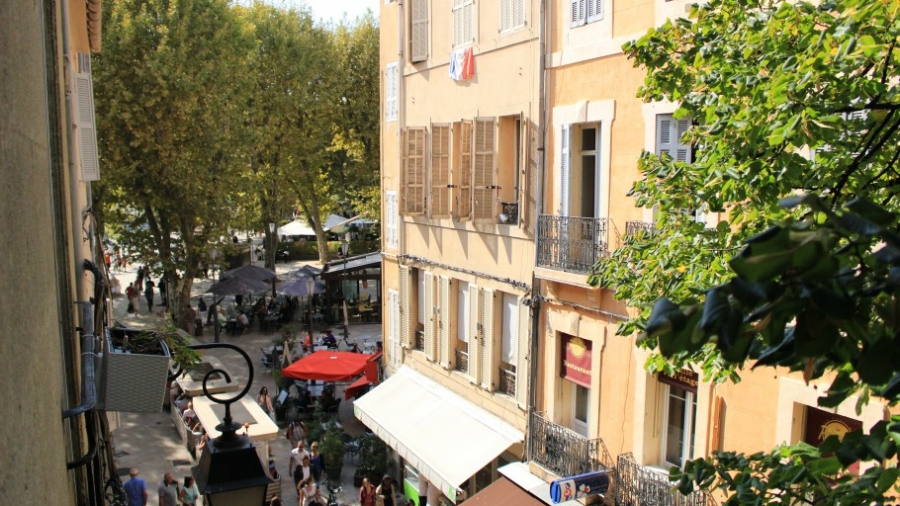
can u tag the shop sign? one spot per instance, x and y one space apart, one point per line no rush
576 366
577 487
685 379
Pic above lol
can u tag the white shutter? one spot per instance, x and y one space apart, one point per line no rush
419 31
475 339
444 323
505 15
576 11
85 126
430 318
393 326
469 22
682 150
458 22
391 87
487 315
522 350
518 13
594 10
564 170
407 308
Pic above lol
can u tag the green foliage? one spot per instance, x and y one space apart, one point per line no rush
373 454
804 274
332 447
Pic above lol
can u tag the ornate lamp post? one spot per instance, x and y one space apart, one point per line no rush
229 472
310 286
345 249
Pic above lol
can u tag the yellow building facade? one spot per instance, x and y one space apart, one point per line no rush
547 125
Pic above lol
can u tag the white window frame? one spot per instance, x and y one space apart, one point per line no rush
394 325
582 12
578 425
391 91
512 15
690 426
391 218
463 23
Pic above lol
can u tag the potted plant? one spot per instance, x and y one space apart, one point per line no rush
136 367
332 448
372 459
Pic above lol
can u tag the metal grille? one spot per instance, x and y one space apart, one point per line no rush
562 451
637 485
420 340
633 227
507 382
570 243
462 358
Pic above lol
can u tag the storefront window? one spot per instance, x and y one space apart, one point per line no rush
679 435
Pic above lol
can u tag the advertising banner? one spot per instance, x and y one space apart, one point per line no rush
576 487
576 366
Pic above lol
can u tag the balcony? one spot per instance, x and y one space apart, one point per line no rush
570 243
563 451
637 485
634 227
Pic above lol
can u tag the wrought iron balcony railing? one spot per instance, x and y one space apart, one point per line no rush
637 485
570 243
420 340
462 360
563 451
633 227
507 382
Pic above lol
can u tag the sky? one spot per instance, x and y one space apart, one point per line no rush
332 10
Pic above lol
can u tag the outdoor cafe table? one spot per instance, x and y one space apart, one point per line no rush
192 384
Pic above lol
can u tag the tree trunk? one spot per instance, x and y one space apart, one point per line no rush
311 210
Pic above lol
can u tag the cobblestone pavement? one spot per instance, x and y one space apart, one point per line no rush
150 442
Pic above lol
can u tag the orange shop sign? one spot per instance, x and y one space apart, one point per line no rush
576 364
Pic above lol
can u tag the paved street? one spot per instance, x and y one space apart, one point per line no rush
150 441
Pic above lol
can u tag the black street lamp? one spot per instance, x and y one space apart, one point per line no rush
229 472
345 249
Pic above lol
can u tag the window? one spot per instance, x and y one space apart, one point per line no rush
580 404
678 425
512 14
585 11
86 133
414 151
508 344
669 141
463 313
510 151
392 234
418 31
581 177
440 186
391 91
394 326
463 22
484 170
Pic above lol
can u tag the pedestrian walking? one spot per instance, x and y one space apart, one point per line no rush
189 492
136 489
148 293
132 293
169 491
162 291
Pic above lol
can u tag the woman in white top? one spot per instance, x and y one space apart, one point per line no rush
308 493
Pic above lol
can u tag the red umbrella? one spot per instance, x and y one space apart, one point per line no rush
327 365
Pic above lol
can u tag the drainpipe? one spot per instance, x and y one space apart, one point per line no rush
535 352
401 119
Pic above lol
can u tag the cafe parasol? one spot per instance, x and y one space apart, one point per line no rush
327 365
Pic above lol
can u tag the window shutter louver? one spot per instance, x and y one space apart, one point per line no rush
394 326
594 10
468 22
518 13
419 32
522 350
464 195
458 22
682 150
576 9
664 144
407 309
414 171
529 183
86 129
430 318
391 87
505 15
440 203
444 333
474 334
484 171
487 315
565 168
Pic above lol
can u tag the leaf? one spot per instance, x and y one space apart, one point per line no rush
870 211
665 317
715 308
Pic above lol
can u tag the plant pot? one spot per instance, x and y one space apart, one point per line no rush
358 477
333 473
133 382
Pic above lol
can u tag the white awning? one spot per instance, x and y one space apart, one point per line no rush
447 438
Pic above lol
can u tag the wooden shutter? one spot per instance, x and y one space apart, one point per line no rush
439 205
468 21
488 327
529 182
444 323
506 8
594 10
565 163
464 174
430 318
475 339
484 170
85 127
522 351
407 308
414 146
518 13
419 32
577 12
